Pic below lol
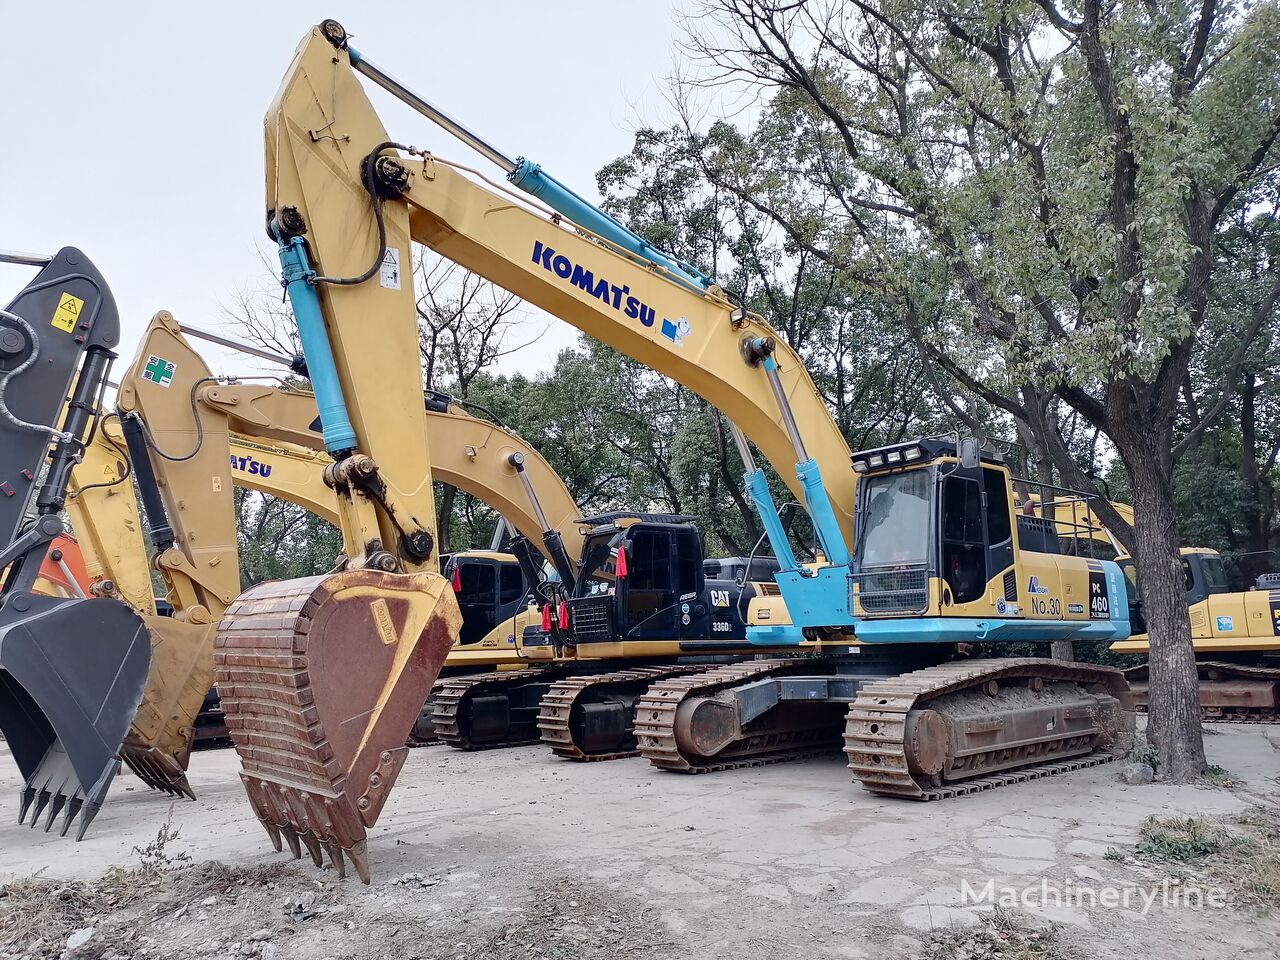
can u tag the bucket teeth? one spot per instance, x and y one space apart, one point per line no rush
59 801
28 795
313 848
158 770
73 808
274 833
54 789
42 801
291 838
359 854
90 811
335 857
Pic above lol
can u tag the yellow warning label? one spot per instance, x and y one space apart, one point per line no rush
382 621
68 313
217 484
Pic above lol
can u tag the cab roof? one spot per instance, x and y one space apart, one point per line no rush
625 518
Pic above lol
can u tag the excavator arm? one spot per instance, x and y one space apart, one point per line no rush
325 140
344 202
273 445
188 455
71 669
102 505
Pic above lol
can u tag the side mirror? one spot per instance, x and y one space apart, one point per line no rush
970 452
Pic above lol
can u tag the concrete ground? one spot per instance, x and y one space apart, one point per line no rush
743 863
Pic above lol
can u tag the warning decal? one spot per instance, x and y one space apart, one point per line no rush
68 313
389 274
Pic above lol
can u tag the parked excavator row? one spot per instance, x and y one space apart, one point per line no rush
940 561
322 678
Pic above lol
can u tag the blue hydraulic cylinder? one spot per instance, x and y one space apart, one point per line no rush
339 435
757 488
824 520
532 179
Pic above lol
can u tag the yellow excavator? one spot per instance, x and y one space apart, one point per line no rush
186 459
1235 633
941 562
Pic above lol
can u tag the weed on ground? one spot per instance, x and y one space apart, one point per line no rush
999 935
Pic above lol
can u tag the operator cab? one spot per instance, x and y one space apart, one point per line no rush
924 514
642 577
938 534
1204 575
490 589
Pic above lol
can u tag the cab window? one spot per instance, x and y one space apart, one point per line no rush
649 561
964 561
1215 575
688 555
512 584
479 583
999 528
648 575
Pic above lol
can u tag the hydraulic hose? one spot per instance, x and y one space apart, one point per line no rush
6 375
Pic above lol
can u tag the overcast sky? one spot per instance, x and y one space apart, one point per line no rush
134 130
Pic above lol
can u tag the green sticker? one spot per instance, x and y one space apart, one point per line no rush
159 370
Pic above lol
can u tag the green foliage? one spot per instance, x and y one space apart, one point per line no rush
1180 839
280 541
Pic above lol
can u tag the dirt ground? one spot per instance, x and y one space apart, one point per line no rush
516 854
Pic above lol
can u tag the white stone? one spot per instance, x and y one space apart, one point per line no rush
80 937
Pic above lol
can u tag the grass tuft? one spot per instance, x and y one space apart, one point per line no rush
1240 853
1000 935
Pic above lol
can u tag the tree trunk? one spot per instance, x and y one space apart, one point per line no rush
1062 650
1173 726
444 514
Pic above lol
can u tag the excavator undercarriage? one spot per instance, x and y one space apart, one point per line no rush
925 734
1230 692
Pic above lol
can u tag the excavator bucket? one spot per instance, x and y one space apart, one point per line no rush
158 747
71 670
71 675
322 680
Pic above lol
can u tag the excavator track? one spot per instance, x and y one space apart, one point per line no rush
452 697
659 731
973 725
558 722
1229 692
423 733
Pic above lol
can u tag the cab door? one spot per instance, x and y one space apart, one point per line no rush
647 599
476 584
693 619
